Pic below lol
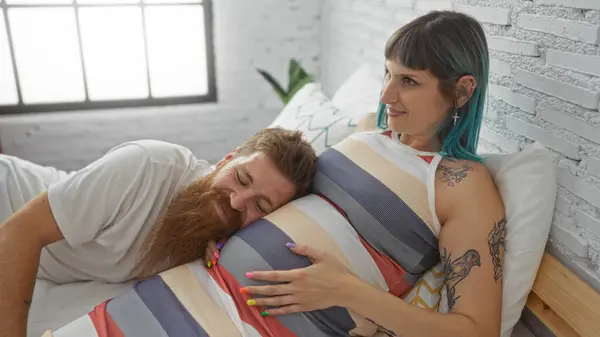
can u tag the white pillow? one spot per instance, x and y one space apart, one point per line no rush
311 112
359 94
527 184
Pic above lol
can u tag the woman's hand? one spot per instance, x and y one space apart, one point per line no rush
312 288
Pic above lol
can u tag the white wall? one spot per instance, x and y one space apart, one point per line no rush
545 87
248 34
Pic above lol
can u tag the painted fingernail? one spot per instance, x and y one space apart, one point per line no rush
264 314
216 255
208 265
249 275
243 291
290 245
251 302
219 245
214 262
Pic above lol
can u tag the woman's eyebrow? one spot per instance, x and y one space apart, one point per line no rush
409 75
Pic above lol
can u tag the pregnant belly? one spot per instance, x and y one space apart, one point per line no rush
261 246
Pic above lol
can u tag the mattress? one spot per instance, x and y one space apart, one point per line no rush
56 305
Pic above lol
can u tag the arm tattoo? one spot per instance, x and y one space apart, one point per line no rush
382 329
456 271
497 244
453 175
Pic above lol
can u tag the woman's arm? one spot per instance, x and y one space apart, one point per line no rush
399 317
471 248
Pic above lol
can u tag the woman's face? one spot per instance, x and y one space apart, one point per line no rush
415 106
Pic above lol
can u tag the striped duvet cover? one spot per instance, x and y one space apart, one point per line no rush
367 211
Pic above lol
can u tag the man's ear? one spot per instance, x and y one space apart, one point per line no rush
465 86
226 158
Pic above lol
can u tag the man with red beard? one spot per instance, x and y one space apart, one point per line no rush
142 208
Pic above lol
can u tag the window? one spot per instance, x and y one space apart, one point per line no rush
58 55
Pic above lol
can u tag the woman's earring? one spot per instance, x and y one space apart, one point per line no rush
455 117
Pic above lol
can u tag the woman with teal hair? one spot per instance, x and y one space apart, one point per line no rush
432 101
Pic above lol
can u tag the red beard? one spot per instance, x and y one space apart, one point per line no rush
189 222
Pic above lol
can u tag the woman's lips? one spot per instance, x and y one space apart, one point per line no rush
394 113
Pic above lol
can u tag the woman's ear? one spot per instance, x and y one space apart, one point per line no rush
226 158
465 86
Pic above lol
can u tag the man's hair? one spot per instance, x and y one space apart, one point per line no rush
289 151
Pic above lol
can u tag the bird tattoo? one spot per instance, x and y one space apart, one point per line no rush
456 271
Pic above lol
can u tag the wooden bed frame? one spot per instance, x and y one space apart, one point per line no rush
563 302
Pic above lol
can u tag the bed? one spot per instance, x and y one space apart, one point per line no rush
558 299
54 306
563 303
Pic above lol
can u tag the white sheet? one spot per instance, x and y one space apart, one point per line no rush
56 305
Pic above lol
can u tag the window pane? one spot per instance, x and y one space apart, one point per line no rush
176 50
47 53
172 1
8 87
38 2
108 2
113 47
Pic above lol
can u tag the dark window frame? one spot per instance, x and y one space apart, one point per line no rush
22 108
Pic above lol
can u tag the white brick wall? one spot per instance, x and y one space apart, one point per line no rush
563 204
513 45
500 67
488 14
587 64
566 91
571 123
583 4
506 142
547 137
248 34
517 100
593 165
570 29
545 86
579 186
564 230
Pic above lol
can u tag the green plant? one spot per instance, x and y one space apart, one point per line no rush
298 77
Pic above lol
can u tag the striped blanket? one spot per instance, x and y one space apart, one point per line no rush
368 211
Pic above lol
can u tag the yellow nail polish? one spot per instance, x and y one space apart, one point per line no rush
251 302
208 265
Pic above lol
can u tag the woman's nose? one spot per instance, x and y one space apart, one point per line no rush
389 95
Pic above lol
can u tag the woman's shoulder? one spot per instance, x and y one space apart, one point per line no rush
453 172
464 184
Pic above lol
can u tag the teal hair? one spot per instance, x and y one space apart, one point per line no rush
449 45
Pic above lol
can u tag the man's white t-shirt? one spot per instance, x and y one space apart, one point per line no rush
106 209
